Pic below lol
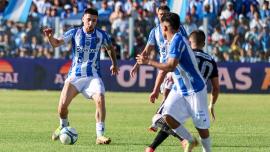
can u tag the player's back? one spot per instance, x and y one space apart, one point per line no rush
187 77
206 64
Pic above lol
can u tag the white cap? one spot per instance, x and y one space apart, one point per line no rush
67 6
229 3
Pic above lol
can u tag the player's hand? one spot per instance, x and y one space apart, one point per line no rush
142 59
153 96
134 71
46 30
114 70
212 111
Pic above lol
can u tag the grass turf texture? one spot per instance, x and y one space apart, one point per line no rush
27 119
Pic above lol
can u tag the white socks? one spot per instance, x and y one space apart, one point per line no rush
206 144
183 132
100 128
64 122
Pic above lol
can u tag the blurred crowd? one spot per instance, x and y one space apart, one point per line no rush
238 30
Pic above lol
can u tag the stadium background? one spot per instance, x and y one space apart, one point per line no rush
238 39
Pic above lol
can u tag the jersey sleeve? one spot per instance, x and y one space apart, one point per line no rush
151 38
215 70
106 40
175 48
68 35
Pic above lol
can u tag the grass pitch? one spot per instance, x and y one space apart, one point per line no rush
27 119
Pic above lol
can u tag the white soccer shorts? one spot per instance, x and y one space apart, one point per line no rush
194 106
88 86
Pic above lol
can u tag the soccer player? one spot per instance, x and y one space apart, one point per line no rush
188 98
207 66
156 40
84 74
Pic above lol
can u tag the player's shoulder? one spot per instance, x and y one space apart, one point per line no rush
201 53
156 28
101 32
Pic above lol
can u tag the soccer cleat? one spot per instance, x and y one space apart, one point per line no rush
56 133
101 140
149 149
152 128
191 145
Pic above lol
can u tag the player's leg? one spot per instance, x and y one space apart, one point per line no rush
69 91
205 139
175 113
96 91
201 119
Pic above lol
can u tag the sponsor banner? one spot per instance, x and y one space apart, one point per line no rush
51 74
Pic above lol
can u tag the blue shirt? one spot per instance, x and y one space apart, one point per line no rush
86 51
187 77
156 38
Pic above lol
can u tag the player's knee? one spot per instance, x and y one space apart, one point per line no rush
171 121
99 99
204 133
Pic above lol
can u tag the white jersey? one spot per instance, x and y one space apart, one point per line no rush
86 51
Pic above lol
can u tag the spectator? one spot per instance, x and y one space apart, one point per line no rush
228 14
265 11
189 25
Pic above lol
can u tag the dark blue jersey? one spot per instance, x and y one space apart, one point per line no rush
206 64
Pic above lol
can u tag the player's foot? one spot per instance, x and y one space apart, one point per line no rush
191 145
101 140
56 133
183 143
149 149
152 128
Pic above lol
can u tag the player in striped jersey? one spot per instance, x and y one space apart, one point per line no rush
188 98
207 66
157 41
209 71
84 75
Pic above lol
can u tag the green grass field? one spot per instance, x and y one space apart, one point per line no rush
27 119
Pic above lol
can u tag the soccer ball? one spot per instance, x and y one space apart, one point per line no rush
68 136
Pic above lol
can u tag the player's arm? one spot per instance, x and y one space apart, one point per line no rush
53 41
145 52
160 77
215 90
167 67
111 52
148 48
214 96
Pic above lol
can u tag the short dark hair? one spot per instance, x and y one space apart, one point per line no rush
199 37
173 19
91 11
164 8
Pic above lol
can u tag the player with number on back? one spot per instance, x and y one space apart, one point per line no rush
84 75
207 66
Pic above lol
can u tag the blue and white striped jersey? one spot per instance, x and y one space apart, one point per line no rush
156 38
187 77
206 64
86 51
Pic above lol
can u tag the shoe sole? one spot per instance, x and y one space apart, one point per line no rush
151 129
